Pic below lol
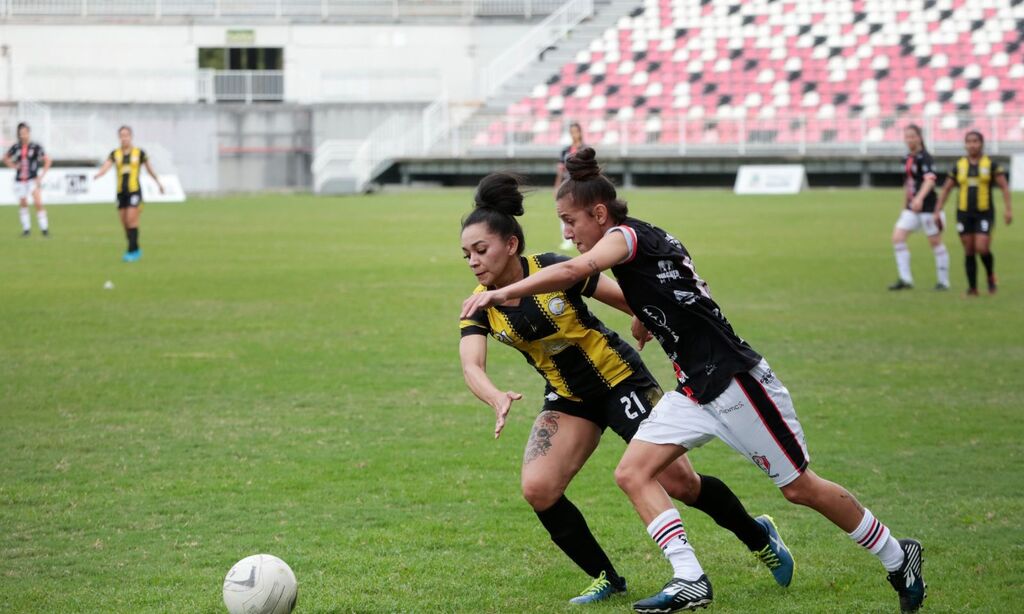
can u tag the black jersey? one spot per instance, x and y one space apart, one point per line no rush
675 304
27 159
918 167
578 356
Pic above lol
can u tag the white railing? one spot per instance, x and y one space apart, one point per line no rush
554 27
511 136
350 165
301 9
239 85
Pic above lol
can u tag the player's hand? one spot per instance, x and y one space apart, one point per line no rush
482 300
640 333
1008 217
939 223
502 405
161 189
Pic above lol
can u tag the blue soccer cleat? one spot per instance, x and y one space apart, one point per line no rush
132 256
599 590
775 555
677 596
907 580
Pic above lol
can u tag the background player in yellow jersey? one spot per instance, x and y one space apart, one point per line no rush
129 161
974 175
594 380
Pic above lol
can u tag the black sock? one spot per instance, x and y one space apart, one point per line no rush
133 239
971 264
719 502
570 532
989 260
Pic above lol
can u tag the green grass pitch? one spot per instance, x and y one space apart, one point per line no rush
280 374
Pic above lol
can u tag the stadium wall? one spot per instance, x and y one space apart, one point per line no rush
156 63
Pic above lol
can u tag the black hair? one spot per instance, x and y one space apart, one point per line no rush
980 136
21 125
588 185
497 203
920 135
125 127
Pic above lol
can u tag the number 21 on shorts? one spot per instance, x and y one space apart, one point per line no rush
628 402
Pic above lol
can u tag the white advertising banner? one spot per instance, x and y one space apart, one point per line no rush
1017 172
771 179
75 185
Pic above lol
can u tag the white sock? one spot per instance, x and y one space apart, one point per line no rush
667 531
875 536
44 224
903 262
941 264
26 218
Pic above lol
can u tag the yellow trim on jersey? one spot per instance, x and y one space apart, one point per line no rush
983 183
132 168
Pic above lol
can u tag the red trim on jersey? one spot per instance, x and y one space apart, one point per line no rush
757 410
632 233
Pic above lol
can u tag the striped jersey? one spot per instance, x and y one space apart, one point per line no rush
975 182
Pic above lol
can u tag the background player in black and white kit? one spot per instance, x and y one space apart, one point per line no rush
25 157
918 213
726 389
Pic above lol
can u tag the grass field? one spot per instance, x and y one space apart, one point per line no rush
279 374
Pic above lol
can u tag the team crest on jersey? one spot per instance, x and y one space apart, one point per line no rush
504 338
556 305
686 298
668 271
674 241
762 462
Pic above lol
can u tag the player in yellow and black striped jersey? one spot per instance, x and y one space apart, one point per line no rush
129 161
974 175
593 380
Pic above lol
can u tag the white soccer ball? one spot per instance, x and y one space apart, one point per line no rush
260 584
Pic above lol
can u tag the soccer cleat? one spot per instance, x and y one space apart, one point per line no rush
941 287
993 286
25 233
46 233
775 555
901 285
971 292
677 596
132 256
600 589
907 580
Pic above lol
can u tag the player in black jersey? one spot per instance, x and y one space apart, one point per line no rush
918 213
576 135
594 380
974 175
725 390
25 157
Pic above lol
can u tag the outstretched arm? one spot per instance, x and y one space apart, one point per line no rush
609 293
473 354
608 252
103 169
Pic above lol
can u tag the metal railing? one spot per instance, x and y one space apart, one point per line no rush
529 47
350 165
281 9
511 136
239 85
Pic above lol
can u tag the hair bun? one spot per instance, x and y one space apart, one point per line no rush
582 165
500 192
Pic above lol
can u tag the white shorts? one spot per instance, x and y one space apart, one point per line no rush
911 222
754 416
24 189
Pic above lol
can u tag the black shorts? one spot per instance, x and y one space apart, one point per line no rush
623 408
128 199
975 223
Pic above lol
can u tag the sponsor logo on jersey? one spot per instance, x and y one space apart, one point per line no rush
556 305
504 338
673 241
729 410
768 377
762 462
552 396
655 314
686 298
554 347
668 271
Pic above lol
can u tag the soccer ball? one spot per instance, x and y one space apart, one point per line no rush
260 584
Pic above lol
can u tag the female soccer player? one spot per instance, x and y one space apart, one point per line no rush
594 380
974 174
725 389
129 160
24 157
918 213
576 134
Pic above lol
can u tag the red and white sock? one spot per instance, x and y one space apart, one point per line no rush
667 531
876 538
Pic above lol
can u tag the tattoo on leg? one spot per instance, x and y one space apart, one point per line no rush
540 438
